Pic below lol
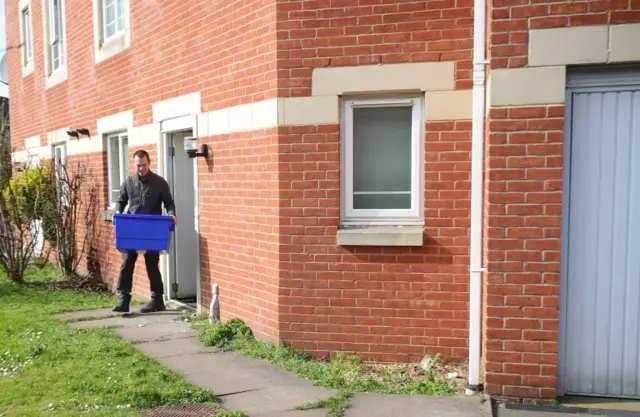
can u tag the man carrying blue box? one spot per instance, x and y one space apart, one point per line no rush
145 192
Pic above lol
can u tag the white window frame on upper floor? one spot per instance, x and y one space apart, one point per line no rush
392 217
107 46
54 35
123 163
26 37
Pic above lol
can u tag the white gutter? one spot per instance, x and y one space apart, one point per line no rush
477 162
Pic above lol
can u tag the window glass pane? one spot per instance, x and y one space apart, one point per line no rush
115 194
382 158
58 18
26 24
61 53
124 158
110 30
56 57
114 165
110 16
381 201
120 15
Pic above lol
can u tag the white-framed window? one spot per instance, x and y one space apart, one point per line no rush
33 159
26 36
53 19
383 161
27 41
112 18
111 28
56 35
117 163
60 166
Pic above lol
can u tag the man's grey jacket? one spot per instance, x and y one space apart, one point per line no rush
145 195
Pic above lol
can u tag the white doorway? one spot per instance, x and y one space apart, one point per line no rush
184 257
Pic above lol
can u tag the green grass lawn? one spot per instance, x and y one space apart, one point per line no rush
46 366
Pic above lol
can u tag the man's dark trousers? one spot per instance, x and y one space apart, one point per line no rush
125 279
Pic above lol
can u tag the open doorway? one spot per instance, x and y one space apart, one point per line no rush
184 259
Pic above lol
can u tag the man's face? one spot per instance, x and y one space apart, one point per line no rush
142 165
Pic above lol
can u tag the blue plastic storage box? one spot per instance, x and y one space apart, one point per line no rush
142 232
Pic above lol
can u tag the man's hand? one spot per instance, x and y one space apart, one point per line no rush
174 219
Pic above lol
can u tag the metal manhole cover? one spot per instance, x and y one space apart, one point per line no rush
185 410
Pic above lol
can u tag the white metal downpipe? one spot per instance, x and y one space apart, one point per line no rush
477 163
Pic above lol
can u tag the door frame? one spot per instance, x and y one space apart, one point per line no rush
589 79
167 127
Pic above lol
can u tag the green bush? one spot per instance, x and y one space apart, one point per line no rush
33 190
222 335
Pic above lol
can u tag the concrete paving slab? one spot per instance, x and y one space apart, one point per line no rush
157 331
300 413
173 347
381 405
256 387
85 313
128 320
274 400
519 413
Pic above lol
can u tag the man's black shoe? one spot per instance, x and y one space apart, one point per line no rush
156 304
123 304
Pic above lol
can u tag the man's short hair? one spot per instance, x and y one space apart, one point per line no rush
142 154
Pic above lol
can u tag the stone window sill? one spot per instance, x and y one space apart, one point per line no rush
380 236
107 215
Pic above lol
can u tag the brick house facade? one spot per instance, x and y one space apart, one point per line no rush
288 220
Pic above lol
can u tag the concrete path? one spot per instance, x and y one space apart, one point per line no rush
253 386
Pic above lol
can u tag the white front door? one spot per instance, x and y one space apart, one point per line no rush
600 294
185 246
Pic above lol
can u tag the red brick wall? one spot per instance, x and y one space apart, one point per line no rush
325 33
524 201
512 19
178 47
385 303
239 227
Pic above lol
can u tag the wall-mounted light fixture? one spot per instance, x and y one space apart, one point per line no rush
72 133
83 131
191 147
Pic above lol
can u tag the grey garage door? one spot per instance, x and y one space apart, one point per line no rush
600 304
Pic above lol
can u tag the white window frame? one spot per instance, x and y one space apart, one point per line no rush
123 159
105 24
54 35
25 15
63 156
26 37
413 216
106 47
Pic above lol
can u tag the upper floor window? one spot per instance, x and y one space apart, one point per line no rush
26 37
54 34
112 18
26 34
111 28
